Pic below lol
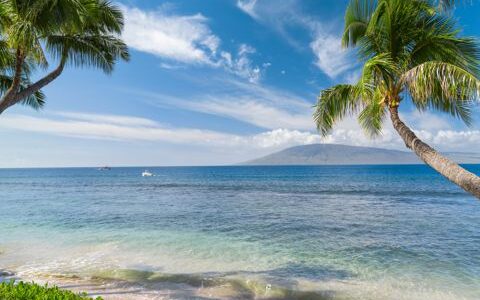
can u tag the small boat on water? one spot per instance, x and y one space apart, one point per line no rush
147 174
106 168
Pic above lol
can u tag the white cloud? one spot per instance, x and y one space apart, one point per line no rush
126 128
429 121
185 39
242 65
248 6
108 119
325 43
468 140
170 66
108 127
432 129
281 138
262 106
273 96
326 46
330 57
256 113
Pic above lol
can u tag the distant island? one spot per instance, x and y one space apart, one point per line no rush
335 154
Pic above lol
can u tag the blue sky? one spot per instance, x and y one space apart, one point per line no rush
210 82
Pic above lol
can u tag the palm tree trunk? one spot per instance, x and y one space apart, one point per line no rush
40 83
15 97
7 100
451 170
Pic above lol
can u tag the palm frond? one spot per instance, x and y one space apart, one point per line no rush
7 58
357 17
444 87
458 109
379 70
105 17
35 100
52 15
100 51
373 114
439 41
334 104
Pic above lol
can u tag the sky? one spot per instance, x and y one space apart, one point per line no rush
212 82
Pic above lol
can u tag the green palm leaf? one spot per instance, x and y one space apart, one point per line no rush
105 17
334 104
439 41
373 114
444 87
100 51
357 18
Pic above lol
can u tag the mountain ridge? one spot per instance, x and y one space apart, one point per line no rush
339 154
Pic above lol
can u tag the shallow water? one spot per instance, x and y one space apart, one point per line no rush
339 232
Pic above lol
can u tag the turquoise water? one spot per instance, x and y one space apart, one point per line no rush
343 232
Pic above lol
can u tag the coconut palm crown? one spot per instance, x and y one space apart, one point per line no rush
412 52
71 32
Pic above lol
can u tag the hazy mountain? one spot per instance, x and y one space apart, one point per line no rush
333 154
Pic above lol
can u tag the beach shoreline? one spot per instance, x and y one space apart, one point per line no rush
173 286
176 287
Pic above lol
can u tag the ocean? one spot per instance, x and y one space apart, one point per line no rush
296 232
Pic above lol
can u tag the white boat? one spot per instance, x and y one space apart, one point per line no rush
146 174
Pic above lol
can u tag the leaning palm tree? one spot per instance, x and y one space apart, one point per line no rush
411 53
71 32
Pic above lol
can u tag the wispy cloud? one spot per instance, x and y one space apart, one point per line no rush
325 44
242 65
107 119
253 112
126 128
259 105
185 39
330 57
108 127
248 6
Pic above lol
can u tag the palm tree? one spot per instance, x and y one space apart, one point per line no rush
411 52
72 32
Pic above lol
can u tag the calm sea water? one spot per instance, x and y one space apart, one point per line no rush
342 232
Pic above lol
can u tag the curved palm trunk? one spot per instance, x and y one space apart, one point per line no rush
12 97
451 170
